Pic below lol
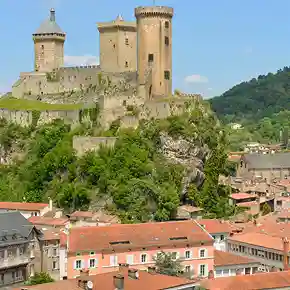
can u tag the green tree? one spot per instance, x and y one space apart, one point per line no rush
266 209
39 278
167 264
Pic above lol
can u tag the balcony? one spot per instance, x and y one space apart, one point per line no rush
14 261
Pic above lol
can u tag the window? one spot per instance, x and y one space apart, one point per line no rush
92 263
166 24
187 255
78 264
279 202
166 40
130 259
143 258
54 252
126 41
150 57
167 74
218 272
187 269
113 261
42 47
202 253
202 270
21 251
174 255
78 253
222 237
126 64
92 253
214 237
2 278
54 265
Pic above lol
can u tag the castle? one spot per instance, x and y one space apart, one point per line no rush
132 82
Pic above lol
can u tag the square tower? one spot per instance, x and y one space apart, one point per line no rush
118 45
48 45
154 26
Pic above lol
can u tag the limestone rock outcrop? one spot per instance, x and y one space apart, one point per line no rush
187 153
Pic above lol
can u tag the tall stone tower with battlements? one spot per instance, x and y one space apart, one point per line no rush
48 45
154 48
118 45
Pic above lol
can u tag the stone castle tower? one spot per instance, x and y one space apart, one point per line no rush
118 45
48 45
154 48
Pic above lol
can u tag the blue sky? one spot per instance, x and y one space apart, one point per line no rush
216 43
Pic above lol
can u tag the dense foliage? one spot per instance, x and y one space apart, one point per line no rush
167 264
133 178
39 278
255 99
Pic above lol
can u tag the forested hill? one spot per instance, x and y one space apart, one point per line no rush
255 99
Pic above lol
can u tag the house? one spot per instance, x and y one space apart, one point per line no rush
17 245
265 166
123 278
88 218
27 209
48 222
270 251
101 249
259 281
229 264
219 230
187 212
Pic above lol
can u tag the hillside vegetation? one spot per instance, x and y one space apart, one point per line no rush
255 99
134 178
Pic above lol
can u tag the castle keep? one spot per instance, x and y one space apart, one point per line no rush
135 70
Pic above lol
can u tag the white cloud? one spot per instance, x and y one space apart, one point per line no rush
80 60
196 79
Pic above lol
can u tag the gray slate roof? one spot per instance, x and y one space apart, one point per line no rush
49 25
12 223
268 161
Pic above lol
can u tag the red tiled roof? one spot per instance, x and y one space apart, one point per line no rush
259 239
51 235
259 281
247 204
145 281
216 226
29 206
225 258
38 220
84 214
238 196
124 236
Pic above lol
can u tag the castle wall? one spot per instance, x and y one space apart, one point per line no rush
85 144
25 118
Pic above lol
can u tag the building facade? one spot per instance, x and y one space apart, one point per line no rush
102 249
17 240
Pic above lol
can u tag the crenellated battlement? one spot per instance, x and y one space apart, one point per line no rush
154 11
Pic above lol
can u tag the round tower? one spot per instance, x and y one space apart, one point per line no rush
48 45
154 48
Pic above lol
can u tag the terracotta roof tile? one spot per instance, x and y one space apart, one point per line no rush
38 220
247 204
126 236
259 239
214 226
238 196
225 258
259 281
29 206
82 214
145 281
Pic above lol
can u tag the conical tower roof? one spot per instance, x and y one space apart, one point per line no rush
49 26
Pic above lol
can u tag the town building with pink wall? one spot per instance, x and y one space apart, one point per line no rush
102 249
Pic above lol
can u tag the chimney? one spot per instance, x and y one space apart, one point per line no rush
123 267
285 254
152 270
52 15
83 279
118 282
133 273
210 274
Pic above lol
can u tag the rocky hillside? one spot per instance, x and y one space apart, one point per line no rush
146 176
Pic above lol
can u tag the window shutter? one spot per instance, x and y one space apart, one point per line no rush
96 262
83 264
75 265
